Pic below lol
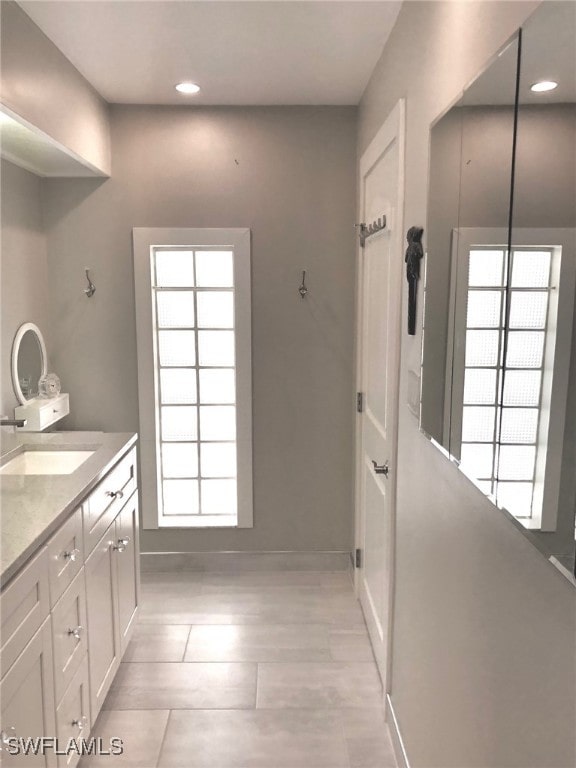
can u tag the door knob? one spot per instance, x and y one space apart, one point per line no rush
381 469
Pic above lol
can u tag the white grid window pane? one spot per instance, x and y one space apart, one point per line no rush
485 486
525 349
179 460
528 310
218 459
214 269
516 498
481 348
522 388
484 309
486 268
177 348
175 309
216 347
477 460
174 269
177 386
180 497
479 386
530 269
478 424
217 422
178 422
519 425
219 497
217 386
215 309
516 462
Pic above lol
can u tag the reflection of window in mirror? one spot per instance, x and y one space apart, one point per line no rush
503 384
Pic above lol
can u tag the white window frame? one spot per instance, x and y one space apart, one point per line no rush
557 354
145 240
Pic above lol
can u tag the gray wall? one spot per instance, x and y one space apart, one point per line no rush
24 269
41 85
288 174
483 668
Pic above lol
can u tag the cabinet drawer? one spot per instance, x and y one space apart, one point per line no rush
24 605
65 555
55 409
73 714
69 632
106 500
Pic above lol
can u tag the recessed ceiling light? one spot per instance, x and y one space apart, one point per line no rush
543 86
187 88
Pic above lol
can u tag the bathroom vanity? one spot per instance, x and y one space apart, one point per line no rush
70 582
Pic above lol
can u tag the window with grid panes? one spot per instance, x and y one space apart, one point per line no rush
194 360
196 399
502 398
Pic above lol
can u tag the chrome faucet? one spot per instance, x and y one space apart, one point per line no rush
13 422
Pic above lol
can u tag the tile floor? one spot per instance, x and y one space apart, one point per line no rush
247 670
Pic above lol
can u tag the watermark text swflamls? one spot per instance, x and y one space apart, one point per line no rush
43 745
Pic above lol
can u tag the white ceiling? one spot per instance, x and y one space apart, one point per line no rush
548 53
239 51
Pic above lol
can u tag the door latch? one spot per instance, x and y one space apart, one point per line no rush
381 469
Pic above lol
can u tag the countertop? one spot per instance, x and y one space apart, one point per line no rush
33 506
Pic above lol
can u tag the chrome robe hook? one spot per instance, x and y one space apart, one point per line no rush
91 290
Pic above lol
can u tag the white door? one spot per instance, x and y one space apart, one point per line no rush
380 286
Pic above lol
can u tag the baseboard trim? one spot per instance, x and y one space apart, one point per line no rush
151 562
397 742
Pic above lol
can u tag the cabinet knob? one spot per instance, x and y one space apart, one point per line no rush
115 494
121 544
71 555
76 632
80 722
5 736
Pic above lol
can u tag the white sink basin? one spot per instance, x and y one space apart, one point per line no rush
45 463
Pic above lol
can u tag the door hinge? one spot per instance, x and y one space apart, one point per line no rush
358 558
360 402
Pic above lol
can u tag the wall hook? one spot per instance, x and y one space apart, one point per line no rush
303 290
91 290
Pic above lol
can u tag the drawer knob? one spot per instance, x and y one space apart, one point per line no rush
71 555
5 736
115 494
80 722
121 544
76 632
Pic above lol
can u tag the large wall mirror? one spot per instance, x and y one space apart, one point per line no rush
499 359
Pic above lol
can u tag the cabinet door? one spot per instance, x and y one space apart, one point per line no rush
128 569
103 632
27 696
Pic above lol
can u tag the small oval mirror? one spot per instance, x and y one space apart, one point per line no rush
29 362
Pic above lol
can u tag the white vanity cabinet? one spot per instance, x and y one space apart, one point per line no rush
66 619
